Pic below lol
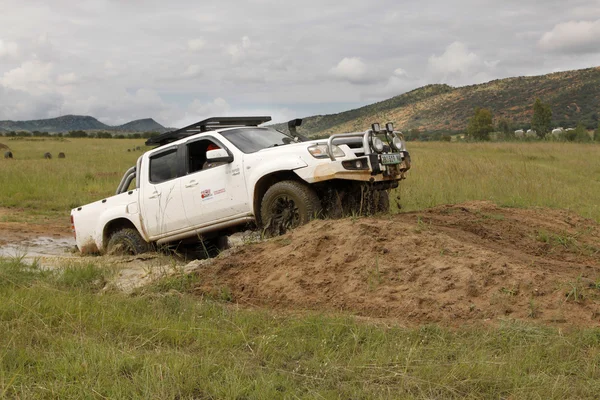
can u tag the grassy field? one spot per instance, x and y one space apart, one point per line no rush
91 170
557 175
62 336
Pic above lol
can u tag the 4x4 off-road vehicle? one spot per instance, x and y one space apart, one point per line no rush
211 178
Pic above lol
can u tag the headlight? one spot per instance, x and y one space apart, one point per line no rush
377 144
320 151
397 143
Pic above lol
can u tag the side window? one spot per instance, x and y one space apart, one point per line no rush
163 166
197 155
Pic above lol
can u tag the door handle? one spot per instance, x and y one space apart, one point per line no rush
154 195
191 184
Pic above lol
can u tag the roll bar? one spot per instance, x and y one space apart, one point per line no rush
126 180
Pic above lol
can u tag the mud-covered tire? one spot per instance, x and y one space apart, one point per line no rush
287 205
127 242
382 201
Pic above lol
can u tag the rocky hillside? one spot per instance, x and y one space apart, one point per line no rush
68 123
573 95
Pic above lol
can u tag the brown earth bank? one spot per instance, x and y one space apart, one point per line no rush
468 263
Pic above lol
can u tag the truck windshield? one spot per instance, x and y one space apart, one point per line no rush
251 140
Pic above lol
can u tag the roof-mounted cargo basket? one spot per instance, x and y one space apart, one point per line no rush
204 126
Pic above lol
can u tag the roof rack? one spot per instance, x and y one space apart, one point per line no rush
204 126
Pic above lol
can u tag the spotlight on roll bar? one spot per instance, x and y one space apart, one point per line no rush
376 128
389 127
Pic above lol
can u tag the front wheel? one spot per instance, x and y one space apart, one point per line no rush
287 205
127 242
381 201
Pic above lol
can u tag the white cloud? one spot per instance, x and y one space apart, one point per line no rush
572 37
351 69
67 79
192 71
8 49
196 44
217 107
456 61
399 72
238 52
33 76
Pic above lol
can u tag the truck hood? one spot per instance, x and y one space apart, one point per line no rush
293 147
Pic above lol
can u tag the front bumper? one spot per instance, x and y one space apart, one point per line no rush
364 169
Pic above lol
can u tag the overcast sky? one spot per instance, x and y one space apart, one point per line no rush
180 61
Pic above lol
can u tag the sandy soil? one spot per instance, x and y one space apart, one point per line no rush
468 263
473 262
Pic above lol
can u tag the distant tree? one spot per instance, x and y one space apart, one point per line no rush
136 136
77 134
411 134
581 133
541 122
104 135
480 125
504 126
446 138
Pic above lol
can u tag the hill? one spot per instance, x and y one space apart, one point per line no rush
142 125
68 123
574 96
60 124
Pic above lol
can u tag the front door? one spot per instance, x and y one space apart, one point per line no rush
212 192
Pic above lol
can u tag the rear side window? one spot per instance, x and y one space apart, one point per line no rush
163 166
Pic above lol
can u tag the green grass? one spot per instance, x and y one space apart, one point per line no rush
555 175
60 338
91 171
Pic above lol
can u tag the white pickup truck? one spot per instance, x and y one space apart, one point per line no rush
214 177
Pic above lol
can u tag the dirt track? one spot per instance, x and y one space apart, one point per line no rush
468 263
473 262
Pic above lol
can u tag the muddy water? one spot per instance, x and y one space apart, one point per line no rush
40 248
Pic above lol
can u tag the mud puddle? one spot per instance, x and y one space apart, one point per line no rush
39 249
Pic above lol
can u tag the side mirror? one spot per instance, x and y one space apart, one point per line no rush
219 155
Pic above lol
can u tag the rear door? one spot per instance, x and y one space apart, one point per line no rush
162 208
213 192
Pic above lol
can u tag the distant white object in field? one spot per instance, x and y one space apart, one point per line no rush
519 133
531 133
556 132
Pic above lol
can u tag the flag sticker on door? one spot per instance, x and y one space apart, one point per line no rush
206 194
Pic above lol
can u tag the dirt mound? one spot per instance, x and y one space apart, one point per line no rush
471 262
4 147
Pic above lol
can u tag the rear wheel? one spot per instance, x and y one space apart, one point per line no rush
287 205
127 242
